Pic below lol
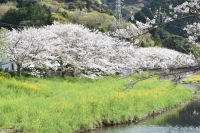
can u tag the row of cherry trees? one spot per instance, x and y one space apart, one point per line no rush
88 53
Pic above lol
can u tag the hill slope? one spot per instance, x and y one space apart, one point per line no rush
19 13
130 7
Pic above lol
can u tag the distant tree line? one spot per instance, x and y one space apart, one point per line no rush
31 13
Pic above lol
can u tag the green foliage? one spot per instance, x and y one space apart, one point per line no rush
5 7
58 17
4 1
26 74
194 50
140 17
93 20
165 39
158 41
181 44
32 15
13 16
146 41
88 5
71 104
4 74
38 13
1 69
96 21
194 79
13 74
26 3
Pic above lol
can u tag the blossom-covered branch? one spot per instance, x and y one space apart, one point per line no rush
193 31
188 9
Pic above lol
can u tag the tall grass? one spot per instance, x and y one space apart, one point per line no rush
195 79
71 104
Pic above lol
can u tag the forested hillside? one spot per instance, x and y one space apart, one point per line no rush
130 7
19 13
171 35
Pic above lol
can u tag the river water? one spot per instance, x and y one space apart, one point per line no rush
182 120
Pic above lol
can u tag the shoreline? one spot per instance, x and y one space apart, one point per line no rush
135 120
138 116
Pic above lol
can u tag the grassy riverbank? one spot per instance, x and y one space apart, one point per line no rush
71 104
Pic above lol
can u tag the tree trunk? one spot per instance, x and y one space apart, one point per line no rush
19 72
63 71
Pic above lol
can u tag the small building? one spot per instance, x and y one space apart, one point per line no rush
7 65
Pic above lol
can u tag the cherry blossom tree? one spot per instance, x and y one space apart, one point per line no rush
82 49
29 47
193 31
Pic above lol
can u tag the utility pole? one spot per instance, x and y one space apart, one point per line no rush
118 10
118 14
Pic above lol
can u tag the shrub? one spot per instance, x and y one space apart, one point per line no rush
12 73
6 75
24 74
32 15
195 79
1 69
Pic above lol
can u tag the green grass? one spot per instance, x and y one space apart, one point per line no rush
71 104
195 79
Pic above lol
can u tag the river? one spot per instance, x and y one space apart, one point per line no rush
181 120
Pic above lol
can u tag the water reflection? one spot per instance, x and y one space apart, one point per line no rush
187 117
152 129
182 120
